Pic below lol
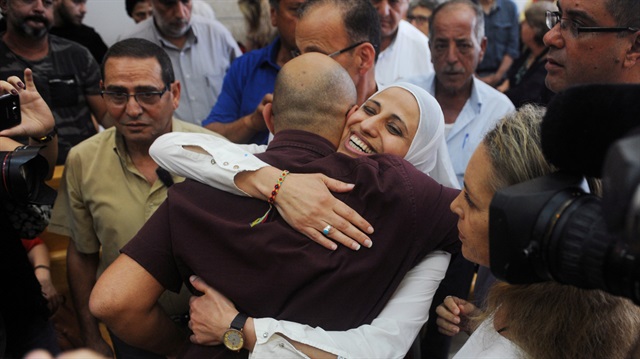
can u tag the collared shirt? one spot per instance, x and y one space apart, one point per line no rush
64 78
484 108
389 336
407 56
502 29
304 294
486 343
103 200
200 65
249 78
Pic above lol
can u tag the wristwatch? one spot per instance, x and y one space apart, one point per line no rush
233 338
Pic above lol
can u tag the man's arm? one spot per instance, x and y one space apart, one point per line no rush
221 164
125 298
242 129
81 274
390 335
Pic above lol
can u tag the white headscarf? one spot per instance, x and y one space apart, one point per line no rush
428 151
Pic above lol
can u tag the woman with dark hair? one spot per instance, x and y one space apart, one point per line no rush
525 78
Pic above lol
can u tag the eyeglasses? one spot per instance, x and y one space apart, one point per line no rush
147 98
419 19
296 53
396 4
555 17
348 48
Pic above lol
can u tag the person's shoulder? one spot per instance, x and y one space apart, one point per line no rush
490 96
423 81
93 145
411 33
143 30
183 126
211 25
60 44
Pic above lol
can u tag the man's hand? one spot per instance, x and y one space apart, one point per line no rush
37 119
304 201
256 120
210 314
453 314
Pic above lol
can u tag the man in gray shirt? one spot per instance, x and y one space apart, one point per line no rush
200 49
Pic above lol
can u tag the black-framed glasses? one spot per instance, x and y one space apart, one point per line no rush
296 53
148 98
348 48
555 17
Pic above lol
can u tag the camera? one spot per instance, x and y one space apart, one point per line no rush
22 171
9 111
550 228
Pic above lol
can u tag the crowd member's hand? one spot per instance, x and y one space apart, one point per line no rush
256 120
210 314
74 354
453 316
54 299
37 119
306 203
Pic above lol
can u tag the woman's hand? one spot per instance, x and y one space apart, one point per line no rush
37 119
210 314
306 203
453 314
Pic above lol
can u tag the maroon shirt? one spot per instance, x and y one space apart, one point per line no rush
271 270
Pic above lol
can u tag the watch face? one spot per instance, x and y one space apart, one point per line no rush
233 339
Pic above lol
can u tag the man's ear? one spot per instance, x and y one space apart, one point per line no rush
175 91
267 114
483 48
632 57
272 15
367 57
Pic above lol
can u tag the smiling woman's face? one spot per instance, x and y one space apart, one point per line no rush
472 208
386 123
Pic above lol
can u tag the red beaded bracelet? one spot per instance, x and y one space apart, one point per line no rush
272 198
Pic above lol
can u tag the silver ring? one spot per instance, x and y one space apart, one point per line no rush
326 230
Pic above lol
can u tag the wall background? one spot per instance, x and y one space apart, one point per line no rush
110 19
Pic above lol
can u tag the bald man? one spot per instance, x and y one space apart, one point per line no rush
270 269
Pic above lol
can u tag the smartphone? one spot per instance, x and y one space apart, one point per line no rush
9 111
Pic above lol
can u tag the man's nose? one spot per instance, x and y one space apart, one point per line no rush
133 109
382 7
553 37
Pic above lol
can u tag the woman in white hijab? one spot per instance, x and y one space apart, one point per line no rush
402 119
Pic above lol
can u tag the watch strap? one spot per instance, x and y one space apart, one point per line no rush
48 137
239 321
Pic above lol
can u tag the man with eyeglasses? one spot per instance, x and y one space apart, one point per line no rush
248 85
347 31
111 185
419 14
201 51
593 41
404 50
66 74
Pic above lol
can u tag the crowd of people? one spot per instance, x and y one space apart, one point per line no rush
320 190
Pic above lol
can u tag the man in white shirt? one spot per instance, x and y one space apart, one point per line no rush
471 108
404 50
201 51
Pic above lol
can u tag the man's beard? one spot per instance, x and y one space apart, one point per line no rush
23 28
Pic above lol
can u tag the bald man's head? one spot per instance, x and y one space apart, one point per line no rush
313 93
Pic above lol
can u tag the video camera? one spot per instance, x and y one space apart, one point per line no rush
549 228
22 171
